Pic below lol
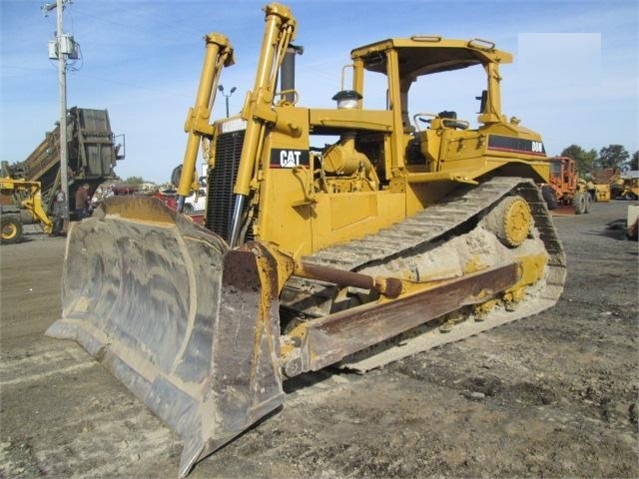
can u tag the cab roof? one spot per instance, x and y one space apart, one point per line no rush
424 54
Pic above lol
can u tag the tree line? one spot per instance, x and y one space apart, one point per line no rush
611 156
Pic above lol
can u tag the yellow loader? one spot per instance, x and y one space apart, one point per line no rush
406 231
17 195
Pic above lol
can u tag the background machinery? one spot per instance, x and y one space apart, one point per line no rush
406 231
565 188
20 203
92 155
628 186
600 184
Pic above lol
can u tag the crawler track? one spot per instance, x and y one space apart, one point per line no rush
456 215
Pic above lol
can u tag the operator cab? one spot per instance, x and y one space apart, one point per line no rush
404 61
422 88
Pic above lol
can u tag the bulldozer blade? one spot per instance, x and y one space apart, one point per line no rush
191 328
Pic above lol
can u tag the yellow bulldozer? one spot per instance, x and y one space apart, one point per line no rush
408 230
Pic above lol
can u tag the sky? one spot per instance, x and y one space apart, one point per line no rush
574 78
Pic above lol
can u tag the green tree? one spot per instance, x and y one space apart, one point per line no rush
634 161
584 160
612 156
134 180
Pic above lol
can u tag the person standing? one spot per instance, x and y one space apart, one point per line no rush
82 202
58 213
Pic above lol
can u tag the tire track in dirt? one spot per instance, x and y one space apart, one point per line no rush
41 365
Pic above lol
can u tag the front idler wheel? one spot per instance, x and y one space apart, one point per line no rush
511 221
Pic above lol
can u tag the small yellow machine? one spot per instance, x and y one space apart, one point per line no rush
409 226
600 191
17 195
629 186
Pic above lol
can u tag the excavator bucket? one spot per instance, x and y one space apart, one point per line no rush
190 327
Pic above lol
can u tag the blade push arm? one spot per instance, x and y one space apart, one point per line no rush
219 53
279 32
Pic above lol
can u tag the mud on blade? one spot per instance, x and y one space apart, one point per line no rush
155 298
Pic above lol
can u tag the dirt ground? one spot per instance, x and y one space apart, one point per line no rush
553 395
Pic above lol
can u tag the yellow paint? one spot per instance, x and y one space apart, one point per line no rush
531 270
474 265
30 193
517 221
481 310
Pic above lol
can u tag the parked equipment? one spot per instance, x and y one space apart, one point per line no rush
399 236
92 154
20 202
629 186
565 188
599 192
600 184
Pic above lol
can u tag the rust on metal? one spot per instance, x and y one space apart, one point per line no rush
329 339
391 287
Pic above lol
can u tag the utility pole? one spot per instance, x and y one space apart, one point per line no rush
226 97
62 49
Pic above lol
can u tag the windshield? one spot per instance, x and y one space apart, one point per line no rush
452 91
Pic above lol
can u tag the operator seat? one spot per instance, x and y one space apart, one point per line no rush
449 119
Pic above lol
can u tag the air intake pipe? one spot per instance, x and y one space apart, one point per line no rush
287 72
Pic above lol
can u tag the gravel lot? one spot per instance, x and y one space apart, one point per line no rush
553 395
